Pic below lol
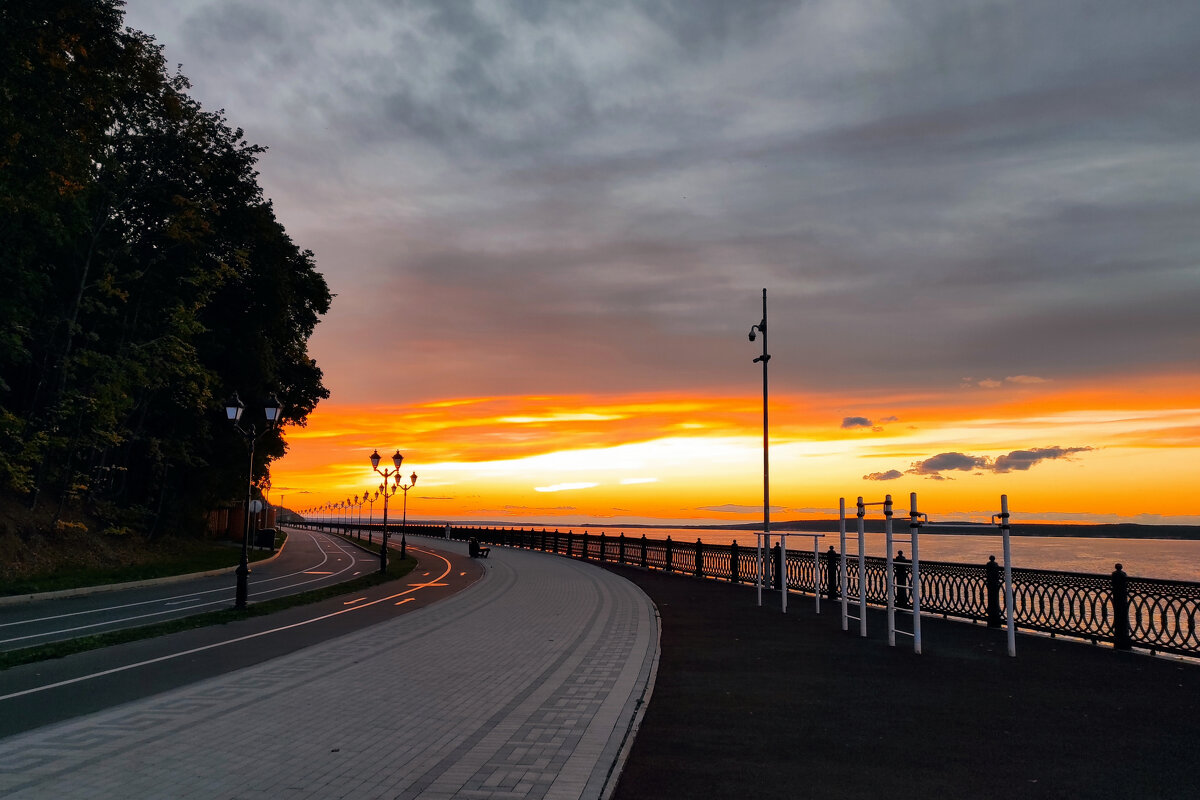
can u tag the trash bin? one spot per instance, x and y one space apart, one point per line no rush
265 537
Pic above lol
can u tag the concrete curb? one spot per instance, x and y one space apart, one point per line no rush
83 591
635 724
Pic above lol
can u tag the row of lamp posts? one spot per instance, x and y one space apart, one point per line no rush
391 482
273 411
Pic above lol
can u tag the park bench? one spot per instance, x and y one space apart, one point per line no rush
476 550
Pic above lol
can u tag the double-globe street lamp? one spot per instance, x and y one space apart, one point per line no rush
387 490
233 412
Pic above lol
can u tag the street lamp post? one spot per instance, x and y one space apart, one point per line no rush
412 481
764 358
394 476
371 522
233 412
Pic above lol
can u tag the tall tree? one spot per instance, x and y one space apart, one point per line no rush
149 276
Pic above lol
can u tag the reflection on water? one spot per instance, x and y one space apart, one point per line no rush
1142 558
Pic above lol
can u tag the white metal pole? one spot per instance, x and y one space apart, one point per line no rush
1008 584
842 561
889 576
862 569
914 529
783 576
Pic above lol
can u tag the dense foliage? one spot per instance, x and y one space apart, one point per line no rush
143 279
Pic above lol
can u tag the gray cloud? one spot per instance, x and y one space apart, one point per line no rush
1022 460
1008 172
947 462
856 422
890 475
1019 460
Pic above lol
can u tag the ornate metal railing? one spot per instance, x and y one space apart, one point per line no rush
1158 615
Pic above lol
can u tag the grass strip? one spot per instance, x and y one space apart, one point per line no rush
397 568
193 558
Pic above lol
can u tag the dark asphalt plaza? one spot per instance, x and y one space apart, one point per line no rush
751 703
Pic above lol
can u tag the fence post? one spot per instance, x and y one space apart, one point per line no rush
1120 597
570 544
699 558
643 551
669 568
585 554
733 562
603 541
621 549
831 573
993 592
778 582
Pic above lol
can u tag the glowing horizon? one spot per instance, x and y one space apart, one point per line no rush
1082 453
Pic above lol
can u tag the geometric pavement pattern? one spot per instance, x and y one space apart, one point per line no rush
527 684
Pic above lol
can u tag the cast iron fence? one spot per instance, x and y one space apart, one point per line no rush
1159 615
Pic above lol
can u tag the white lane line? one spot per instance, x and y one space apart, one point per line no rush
214 645
181 602
110 622
355 600
149 602
122 620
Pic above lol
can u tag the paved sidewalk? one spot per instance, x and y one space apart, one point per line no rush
525 685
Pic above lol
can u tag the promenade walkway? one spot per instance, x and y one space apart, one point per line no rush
525 685
752 703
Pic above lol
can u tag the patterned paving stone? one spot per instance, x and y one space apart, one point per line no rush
525 685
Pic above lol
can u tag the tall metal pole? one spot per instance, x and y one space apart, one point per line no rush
761 327
404 524
766 443
243 569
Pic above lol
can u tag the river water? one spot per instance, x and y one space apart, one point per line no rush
1143 558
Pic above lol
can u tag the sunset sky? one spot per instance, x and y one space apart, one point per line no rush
548 226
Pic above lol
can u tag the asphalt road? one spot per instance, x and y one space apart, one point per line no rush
309 560
50 691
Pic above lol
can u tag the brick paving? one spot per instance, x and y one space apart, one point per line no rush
525 685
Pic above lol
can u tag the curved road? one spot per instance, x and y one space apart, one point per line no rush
526 683
308 560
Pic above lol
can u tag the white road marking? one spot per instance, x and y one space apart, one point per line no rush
248 636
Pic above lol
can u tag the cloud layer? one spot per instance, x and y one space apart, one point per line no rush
588 196
1017 460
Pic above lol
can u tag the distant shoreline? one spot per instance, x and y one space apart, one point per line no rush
1119 530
